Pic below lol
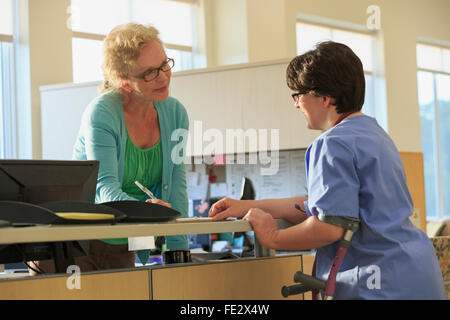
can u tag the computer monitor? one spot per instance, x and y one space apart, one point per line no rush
40 181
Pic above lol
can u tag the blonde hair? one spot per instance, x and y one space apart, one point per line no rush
121 48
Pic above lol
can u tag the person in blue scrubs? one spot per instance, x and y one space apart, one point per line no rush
354 170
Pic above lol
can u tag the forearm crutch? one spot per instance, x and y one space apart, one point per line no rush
311 283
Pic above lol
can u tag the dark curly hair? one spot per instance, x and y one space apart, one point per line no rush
331 69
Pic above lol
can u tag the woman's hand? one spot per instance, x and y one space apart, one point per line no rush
227 207
264 226
157 201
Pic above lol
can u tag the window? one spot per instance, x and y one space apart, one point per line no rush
173 18
362 43
7 82
434 101
86 59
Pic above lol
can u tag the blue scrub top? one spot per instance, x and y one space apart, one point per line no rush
354 170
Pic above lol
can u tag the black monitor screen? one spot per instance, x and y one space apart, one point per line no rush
40 181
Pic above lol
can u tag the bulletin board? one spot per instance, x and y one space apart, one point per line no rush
289 180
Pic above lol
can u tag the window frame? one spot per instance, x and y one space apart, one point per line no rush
170 46
432 44
8 134
438 152
6 38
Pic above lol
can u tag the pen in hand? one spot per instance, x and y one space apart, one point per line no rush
297 206
152 196
145 190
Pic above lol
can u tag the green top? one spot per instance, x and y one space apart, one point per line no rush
143 165
103 137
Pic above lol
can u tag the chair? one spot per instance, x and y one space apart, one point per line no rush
442 248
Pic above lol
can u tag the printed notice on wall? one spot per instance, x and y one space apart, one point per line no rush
289 180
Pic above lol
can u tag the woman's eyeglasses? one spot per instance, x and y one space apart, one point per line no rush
152 74
296 96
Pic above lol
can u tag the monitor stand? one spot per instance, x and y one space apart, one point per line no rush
63 255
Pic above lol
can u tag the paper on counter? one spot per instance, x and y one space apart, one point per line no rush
141 243
194 219
201 219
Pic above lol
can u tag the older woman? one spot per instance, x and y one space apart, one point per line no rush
128 129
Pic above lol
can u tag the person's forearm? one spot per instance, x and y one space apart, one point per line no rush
283 208
310 234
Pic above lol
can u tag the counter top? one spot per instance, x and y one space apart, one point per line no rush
49 233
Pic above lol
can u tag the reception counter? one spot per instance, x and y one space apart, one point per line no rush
234 279
238 279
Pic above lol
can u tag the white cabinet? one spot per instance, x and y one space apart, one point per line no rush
244 104
250 103
61 109
271 107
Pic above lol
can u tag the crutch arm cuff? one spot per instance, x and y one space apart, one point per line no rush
344 222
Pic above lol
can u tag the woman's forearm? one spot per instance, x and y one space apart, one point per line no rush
310 234
282 208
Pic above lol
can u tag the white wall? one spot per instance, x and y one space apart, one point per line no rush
402 23
269 29
227 21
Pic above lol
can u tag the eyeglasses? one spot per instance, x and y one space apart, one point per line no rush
296 96
152 74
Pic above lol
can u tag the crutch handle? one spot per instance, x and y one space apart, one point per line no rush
311 282
295 289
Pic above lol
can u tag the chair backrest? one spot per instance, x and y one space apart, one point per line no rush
442 248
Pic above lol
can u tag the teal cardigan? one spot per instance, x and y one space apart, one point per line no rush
103 136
